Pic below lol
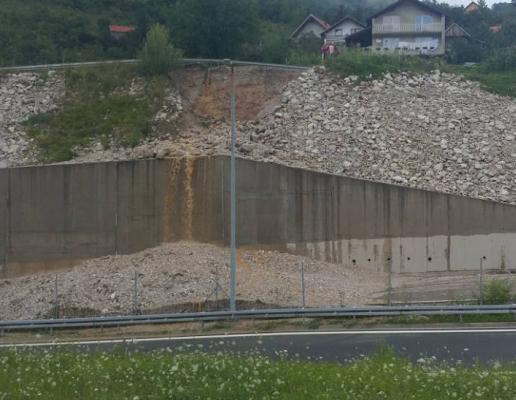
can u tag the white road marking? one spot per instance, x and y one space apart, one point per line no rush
257 335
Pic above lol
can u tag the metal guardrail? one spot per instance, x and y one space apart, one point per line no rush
186 61
380 311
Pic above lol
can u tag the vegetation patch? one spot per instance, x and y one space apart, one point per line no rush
502 83
98 107
496 75
164 375
366 65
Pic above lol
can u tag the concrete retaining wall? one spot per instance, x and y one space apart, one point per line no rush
55 216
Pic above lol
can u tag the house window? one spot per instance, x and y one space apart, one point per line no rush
422 20
429 43
391 43
338 32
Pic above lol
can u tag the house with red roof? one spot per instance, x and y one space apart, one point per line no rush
311 26
120 31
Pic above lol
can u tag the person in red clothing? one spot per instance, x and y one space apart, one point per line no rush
325 51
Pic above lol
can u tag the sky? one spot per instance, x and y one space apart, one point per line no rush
466 2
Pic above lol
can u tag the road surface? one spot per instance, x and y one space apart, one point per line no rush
451 345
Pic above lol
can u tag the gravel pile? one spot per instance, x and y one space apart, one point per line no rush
184 273
21 96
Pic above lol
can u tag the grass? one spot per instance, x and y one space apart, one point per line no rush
502 83
97 108
163 375
371 65
366 65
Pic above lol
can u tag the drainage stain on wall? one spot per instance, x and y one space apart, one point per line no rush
178 204
188 199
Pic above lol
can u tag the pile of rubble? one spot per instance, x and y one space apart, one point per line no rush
436 131
186 273
433 131
21 96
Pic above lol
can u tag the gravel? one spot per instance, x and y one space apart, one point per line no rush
434 131
21 96
184 273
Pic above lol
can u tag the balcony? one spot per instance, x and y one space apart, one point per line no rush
407 28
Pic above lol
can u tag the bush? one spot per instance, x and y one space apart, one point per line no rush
498 292
296 57
369 64
464 50
501 60
159 56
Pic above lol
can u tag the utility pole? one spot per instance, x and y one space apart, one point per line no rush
233 278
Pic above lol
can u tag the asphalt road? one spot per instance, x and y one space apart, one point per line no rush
464 345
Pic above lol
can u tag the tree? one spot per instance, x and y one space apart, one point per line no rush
215 29
158 56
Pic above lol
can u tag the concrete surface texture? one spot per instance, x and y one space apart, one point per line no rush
56 216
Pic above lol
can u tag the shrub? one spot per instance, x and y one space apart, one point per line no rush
159 56
501 60
497 292
369 64
296 57
463 50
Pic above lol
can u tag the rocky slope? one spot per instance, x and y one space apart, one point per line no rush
21 96
435 131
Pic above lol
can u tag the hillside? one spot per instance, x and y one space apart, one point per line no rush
433 131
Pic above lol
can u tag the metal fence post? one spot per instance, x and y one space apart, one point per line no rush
217 288
56 299
481 283
233 205
135 294
389 282
303 283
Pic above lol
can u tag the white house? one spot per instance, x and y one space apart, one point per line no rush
339 31
311 26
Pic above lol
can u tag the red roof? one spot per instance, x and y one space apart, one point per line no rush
121 29
322 22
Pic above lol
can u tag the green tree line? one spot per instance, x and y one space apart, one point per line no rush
33 31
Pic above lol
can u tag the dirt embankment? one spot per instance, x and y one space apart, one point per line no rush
206 91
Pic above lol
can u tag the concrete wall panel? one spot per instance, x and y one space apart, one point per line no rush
4 217
138 206
62 214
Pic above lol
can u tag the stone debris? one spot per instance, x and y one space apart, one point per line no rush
186 272
434 131
21 96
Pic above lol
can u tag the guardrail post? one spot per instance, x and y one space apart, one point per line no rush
389 282
303 283
56 299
